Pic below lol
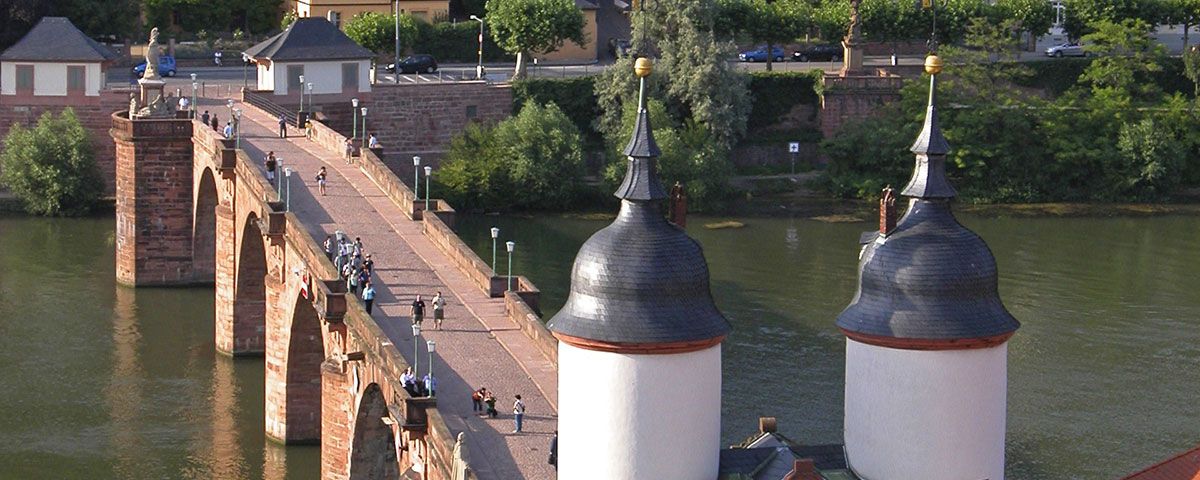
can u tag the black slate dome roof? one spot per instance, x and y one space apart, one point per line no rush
641 279
930 278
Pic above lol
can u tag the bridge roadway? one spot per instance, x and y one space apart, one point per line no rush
478 346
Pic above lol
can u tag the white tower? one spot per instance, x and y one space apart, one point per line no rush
639 353
926 346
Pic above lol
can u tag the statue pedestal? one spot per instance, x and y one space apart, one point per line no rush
151 89
848 96
852 58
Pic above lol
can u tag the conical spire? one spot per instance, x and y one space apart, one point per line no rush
929 176
641 179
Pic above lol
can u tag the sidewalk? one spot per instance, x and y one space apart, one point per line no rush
479 346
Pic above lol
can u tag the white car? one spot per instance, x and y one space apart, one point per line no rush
1066 50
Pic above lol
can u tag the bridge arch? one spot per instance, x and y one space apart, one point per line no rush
294 370
250 290
204 227
373 450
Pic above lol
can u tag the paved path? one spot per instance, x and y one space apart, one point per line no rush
478 344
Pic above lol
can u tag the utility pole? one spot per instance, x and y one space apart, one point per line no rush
397 64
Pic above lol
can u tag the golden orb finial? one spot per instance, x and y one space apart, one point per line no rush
642 67
933 64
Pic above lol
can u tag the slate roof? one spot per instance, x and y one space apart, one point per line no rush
1185 466
55 39
931 278
586 5
309 39
640 279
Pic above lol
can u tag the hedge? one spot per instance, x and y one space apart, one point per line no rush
575 96
457 43
1057 75
776 93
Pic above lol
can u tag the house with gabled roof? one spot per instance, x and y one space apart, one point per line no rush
312 48
54 59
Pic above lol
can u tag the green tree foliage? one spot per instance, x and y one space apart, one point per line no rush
1128 58
377 32
455 42
1034 17
1082 13
287 20
50 167
689 156
253 16
767 21
524 27
1191 67
533 160
1182 12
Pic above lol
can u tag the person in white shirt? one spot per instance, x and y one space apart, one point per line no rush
228 130
184 104
518 413
439 312
373 142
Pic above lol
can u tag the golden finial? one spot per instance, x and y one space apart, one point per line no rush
933 64
642 67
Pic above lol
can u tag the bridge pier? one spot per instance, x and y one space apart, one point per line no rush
154 201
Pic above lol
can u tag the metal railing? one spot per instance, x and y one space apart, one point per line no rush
263 102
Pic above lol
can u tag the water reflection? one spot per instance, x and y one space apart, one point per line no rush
1106 360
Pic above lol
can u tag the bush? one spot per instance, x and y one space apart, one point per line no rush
456 42
50 167
774 94
533 160
576 97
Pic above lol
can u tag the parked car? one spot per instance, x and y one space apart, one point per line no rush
166 67
818 53
760 54
1066 50
420 63
619 47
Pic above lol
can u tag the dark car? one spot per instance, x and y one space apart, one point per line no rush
415 64
166 67
818 53
619 47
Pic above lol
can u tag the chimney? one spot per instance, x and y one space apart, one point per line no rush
767 425
803 469
887 211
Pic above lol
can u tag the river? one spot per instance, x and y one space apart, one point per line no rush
106 382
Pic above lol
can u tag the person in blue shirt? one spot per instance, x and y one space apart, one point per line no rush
368 296
430 384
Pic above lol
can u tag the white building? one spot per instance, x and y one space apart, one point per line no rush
53 63
315 50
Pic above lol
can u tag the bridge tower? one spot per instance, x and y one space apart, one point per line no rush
639 340
154 201
926 336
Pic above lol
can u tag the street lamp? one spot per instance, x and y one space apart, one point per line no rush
237 127
195 86
511 246
287 174
354 113
310 93
416 330
416 177
278 184
245 74
364 129
431 346
495 234
428 171
396 17
479 67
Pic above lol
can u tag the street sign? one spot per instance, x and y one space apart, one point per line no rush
793 147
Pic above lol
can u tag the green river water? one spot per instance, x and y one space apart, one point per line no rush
105 382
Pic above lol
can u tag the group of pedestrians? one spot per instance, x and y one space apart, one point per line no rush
483 402
422 387
354 265
439 310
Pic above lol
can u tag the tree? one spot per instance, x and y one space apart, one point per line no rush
769 21
1191 67
524 27
892 21
1034 17
50 167
532 160
1182 12
1082 13
288 19
1128 56
377 32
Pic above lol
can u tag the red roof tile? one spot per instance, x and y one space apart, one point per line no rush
1185 466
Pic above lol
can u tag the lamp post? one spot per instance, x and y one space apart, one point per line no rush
245 74
195 85
237 127
479 66
416 177
431 345
511 246
310 94
354 114
495 234
428 171
363 111
287 175
301 93
416 330
278 184
397 19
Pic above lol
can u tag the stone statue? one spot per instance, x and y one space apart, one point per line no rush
152 56
855 32
133 106
461 469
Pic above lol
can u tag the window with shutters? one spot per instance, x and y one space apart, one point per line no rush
76 79
25 79
294 72
349 77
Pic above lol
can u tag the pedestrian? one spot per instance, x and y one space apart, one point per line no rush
216 124
490 401
418 311
554 450
282 126
329 246
477 399
184 104
439 312
358 246
430 385
369 264
409 380
228 131
217 58
270 162
308 129
351 279
204 118
373 142
364 277
349 151
368 296
518 413
321 180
